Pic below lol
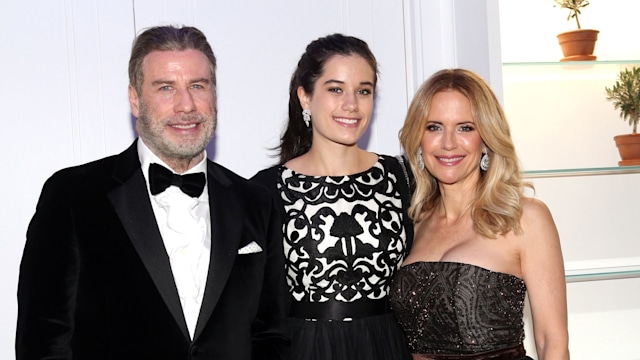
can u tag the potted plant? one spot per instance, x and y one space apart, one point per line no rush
576 45
625 95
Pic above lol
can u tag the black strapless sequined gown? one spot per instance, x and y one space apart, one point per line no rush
448 308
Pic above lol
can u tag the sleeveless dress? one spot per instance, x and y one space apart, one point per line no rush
344 238
451 310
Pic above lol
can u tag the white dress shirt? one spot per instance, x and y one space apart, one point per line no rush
185 226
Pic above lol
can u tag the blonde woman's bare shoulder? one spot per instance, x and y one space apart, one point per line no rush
537 218
534 206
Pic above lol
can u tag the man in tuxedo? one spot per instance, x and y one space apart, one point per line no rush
155 253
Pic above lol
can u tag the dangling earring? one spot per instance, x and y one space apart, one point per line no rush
420 160
484 162
306 116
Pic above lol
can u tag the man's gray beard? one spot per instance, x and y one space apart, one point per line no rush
152 135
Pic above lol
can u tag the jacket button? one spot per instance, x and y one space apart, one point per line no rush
194 350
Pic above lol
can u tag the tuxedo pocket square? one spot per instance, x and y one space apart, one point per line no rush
251 248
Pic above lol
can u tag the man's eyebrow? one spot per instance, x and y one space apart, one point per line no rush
162 82
200 80
171 82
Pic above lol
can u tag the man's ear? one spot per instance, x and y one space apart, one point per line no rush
134 101
304 98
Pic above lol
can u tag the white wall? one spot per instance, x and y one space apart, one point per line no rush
64 97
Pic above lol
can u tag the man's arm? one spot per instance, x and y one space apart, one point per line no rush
270 339
48 278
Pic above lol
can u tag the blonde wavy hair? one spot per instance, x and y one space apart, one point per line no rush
496 209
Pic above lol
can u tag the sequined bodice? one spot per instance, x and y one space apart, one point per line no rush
343 236
454 308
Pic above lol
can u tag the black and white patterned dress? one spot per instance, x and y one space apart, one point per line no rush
344 238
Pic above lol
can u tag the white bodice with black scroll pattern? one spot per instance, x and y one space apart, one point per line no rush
343 235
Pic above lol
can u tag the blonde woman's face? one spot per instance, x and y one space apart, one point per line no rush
451 145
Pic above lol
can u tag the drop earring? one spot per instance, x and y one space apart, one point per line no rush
420 160
306 116
484 162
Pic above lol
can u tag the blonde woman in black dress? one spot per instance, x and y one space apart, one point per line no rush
480 244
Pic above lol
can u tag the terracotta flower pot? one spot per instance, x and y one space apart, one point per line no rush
629 149
578 45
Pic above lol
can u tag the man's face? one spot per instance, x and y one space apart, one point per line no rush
176 107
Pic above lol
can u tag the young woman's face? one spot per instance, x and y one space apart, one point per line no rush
451 145
342 101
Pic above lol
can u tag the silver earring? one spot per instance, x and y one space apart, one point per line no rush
306 116
484 162
420 160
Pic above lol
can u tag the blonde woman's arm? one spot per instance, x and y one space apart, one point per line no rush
543 272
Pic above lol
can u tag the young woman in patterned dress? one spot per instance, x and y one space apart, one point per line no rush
345 224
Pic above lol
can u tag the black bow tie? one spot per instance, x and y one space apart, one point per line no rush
161 178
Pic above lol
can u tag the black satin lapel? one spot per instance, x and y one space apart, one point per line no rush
133 207
226 226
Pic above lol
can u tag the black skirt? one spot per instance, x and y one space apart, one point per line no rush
369 338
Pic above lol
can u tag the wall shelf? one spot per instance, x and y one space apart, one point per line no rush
573 63
537 174
592 270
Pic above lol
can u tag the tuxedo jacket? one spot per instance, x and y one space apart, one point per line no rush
96 283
